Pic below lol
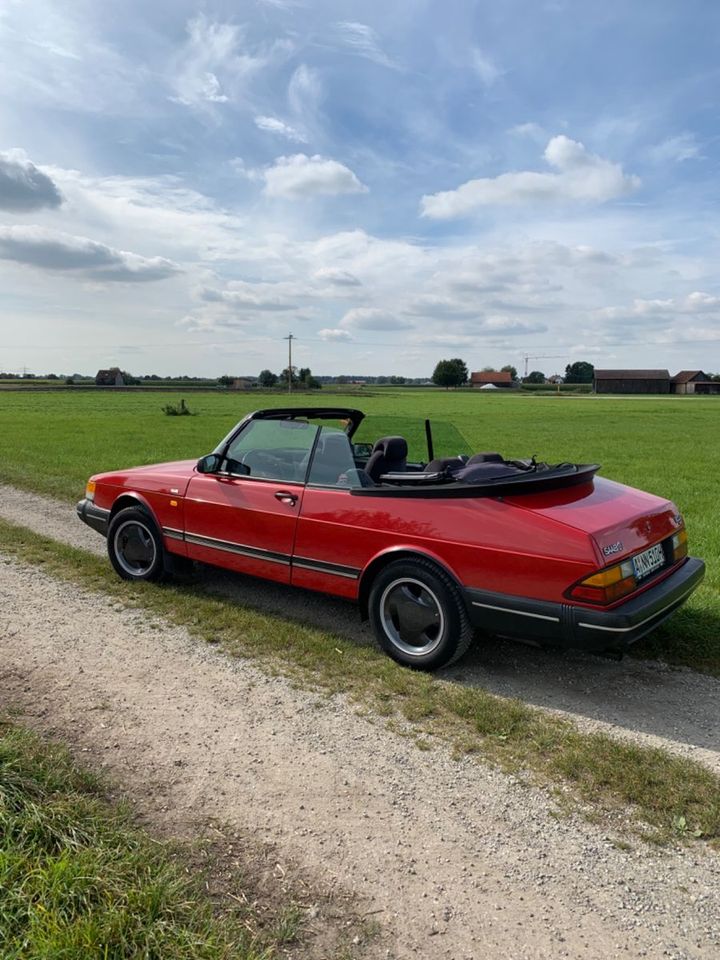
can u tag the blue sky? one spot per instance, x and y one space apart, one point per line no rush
183 184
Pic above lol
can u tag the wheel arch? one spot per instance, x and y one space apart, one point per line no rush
132 499
382 560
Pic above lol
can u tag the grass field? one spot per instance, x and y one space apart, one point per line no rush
79 880
670 446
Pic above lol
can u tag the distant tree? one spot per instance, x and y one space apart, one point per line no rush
341 379
267 378
579 372
381 380
226 380
293 374
398 381
69 381
450 373
307 380
511 370
535 376
488 370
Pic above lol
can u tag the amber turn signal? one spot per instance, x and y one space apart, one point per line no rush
607 585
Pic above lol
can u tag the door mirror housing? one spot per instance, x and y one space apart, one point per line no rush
209 464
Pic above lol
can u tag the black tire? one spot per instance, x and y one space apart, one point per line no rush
418 615
135 545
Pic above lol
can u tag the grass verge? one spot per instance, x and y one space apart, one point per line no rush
79 880
670 795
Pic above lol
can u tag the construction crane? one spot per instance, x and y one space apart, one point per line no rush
543 356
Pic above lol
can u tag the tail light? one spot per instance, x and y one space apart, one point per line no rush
679 545
611 584
607 586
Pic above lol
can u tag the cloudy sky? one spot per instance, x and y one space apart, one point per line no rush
183 184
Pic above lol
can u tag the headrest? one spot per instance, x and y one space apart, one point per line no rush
394 448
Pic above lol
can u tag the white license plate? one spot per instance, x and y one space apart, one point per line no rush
648 561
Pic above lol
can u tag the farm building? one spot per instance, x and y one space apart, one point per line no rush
631 381
110 378
498 378
693 381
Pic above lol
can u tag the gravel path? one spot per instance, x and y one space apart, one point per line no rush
459 861
642 701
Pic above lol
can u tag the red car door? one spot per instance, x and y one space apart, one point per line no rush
244 517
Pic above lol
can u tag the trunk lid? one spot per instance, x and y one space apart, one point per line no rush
620 520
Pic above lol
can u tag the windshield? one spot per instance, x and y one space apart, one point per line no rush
447 439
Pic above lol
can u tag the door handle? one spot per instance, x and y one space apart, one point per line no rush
284 496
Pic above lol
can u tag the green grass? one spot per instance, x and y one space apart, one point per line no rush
78 880
51 443
662 790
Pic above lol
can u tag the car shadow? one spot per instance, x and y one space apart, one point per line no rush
637 696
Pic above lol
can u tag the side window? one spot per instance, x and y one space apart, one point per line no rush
272 450
333 464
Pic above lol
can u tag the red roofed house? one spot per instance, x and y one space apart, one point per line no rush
498 378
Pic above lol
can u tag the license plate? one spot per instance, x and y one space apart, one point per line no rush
648 561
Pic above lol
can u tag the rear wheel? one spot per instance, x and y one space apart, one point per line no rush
418 615
135 545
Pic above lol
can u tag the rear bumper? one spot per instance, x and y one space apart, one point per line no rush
95 517
585 627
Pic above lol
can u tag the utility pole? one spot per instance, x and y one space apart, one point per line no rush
289 339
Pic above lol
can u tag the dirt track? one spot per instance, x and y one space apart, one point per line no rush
460 861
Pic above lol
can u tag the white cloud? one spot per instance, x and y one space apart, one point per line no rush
373 318
364 42
582 177
334 335
51 250
305 91
210 58
676 149
254 296
273 125
22 186
303 176
693 304
485 67
532 130
339 278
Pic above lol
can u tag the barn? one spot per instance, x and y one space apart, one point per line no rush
693 381
631 381
498 378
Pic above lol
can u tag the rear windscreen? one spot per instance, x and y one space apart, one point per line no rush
447 439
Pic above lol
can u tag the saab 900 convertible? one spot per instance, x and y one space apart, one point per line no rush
430 550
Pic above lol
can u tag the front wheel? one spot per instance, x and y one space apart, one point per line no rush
135 545
418 615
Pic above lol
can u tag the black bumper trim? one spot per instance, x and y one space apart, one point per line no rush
584 627
96 517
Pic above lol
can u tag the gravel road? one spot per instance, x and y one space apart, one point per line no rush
457 860
643 701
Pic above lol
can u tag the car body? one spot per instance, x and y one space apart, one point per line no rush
431 551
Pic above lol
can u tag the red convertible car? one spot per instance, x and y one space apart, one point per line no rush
430 550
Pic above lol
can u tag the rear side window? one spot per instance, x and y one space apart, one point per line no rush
272 450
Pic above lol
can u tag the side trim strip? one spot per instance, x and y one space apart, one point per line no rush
658 613
242 549
173 534
518 613
257 553
334 569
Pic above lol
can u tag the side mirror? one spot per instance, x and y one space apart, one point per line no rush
209 464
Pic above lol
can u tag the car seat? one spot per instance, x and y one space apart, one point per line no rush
389 455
